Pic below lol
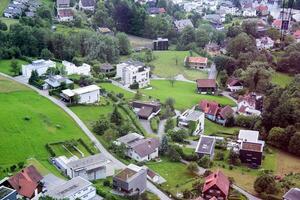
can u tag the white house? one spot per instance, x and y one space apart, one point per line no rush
264 43
76 188
71 68
40 66
87 95
65 15
249 12
250 104
56 81
195 116
87 5
234 84
91 168
132 72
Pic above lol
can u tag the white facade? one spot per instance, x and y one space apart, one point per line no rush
234 88
133 155
249 12
82 7
264 43
131 72
87 95
249 109
40 66
192 116
71 68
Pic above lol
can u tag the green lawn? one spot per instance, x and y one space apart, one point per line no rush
214 128
60 28
184 93
112 88
5 66
281 79
165 65
3 5
9 21
22 139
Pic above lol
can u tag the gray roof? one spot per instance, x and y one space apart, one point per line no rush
58 2
5 191
130 137
57 80
292 194
89 163
145 147
181 24
88 3
106 66
194 116
206 145
135 63
69 188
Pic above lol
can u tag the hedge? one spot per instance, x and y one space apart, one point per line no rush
86 146
154 124
50 150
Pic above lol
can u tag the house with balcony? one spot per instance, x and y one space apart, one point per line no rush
196 62
84 95
192 116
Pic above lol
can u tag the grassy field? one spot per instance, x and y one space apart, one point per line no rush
112 88
165 65
281 79
184 94
139 41
5 66
214 128
60 28
9 21
3 5
22 139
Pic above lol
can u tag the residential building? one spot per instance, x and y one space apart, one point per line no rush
107 68
181 24
206 86
90 168
76 188
292 194
105 31
161 44
262 10
61 4
55 81
130 182
139 148
27 182
7 193
146 110
206 146
277 23
87 5
234 84
192 116
264 43
196 62
132 72
296 35
248 136
65 15
71 68
86 95
216 186
40 66
250 104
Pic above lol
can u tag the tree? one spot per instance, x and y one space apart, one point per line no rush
172 81
148 55
273 33
46 54
15 69
124 44
116 117
250 27
219 155
241 44
265 183
294 144
170 102
187 36
192 167
164 146
234 158
34 77
85 81
170 125
278 138
3 26
233 31
179 135
173 155
138 95
201 38
101 125
205 162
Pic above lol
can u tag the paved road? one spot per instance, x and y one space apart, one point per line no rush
248 195
118 164
213 72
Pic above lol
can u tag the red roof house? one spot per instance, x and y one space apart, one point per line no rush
206 85
262 10
27 182
277 23
196 62
216 185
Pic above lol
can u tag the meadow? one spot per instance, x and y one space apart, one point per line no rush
5 66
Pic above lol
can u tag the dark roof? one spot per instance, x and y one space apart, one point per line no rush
226 112
206 145
106 66
233 82
219 180
26 181
292 194
151 173
125 174
206 83
88 3
145 112
153 104
145 147
250 146
65 12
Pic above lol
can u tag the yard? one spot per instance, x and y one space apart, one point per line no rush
5 66
171 63
184 94
219 130
3 5
139 41
281 79
28 122
112 88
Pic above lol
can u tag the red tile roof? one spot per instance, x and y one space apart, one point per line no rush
162 10
297 34
26 181
233 81
226 112
219 180
65 13
277 23
247 98
198 59
249 146
206 83
209 107
262 8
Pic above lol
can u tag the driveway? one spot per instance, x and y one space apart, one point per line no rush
117 164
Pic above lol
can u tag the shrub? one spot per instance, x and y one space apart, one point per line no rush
192 167
154 123
27 118
106 183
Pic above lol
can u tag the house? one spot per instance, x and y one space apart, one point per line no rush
181 24
205 86
65 15
130 182
61 4
40 66
146 110
76 188
206 146
215 20
196 62
155 10
55 81
7 193
262 10
161 44
87 5
292 194
216 186
250 104
105 31
86 95
192 116
139 148
151 175
27 182
277 23
90 168
264 43
132 72
107 68
234 84
71 68
296 35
